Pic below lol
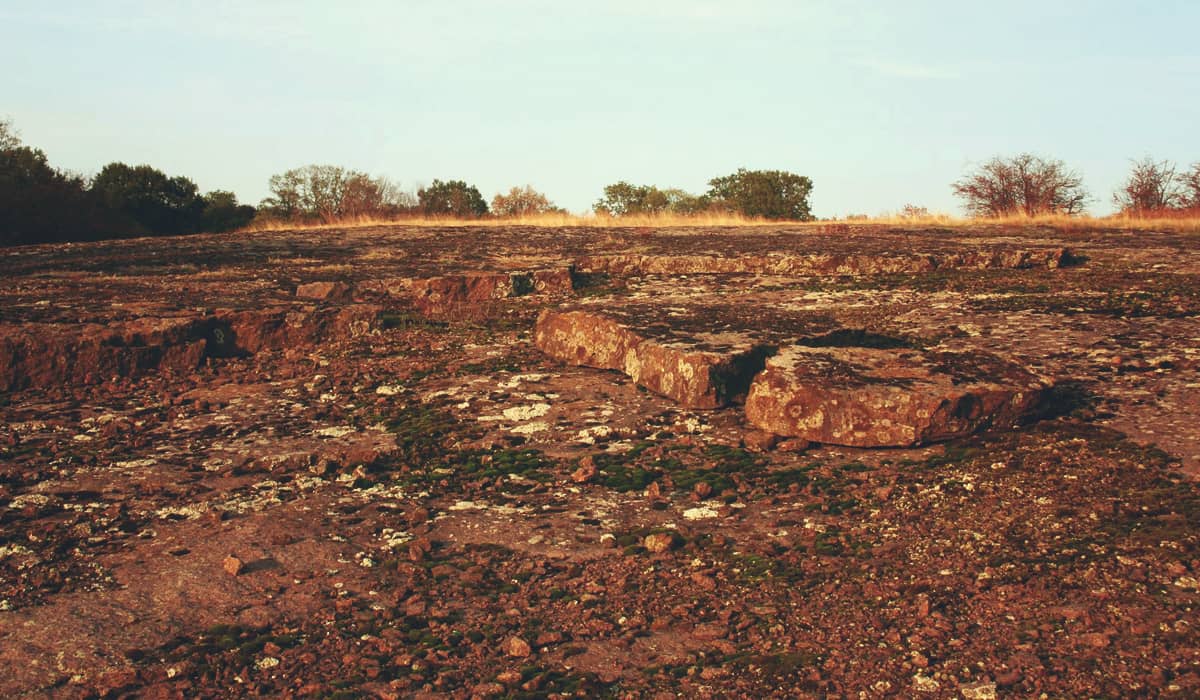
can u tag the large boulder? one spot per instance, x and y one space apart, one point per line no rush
704 371
864 397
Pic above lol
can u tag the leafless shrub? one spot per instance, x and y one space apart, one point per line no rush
1022 185
1152 187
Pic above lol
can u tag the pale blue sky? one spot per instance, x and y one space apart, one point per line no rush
880 103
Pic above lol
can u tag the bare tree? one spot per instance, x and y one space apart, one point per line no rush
1189 197
1022 185
1153 186
9 139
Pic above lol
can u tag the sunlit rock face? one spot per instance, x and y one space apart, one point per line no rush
865 397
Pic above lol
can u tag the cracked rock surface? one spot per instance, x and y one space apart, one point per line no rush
353 463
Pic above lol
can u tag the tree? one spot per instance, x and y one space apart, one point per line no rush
1022 185
223 213
453 198
1153 186
329 193
313 192
9 139
522 201
686 203
160 204
769 194
1190 188
39 204
624 199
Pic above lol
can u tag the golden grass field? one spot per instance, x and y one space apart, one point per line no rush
1185 222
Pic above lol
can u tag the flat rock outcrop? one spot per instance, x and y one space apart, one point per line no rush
826 263
464 293
864 397
42 354
707 371
342 492
45 354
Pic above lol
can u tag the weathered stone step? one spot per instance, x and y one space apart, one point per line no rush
48 354
457 294
44 354
826 263
862 397
704 371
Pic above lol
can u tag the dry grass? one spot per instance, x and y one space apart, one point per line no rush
1186 222
541 220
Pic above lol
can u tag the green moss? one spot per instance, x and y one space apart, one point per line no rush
408 321
953 454
753 567
800 476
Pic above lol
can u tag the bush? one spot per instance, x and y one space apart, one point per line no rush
1022 185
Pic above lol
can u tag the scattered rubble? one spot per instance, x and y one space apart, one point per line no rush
532 462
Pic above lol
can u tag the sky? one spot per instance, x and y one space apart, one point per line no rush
881 103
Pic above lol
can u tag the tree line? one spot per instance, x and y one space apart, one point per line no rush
42 204
328 193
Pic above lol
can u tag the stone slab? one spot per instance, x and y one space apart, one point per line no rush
707 371
865 397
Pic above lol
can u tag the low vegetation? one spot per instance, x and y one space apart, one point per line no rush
43 204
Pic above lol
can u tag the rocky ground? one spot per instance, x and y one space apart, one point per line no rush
400 462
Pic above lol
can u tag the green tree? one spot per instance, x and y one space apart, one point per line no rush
769 194
160 204
623 199
453 198
686 203
223 213
41 204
